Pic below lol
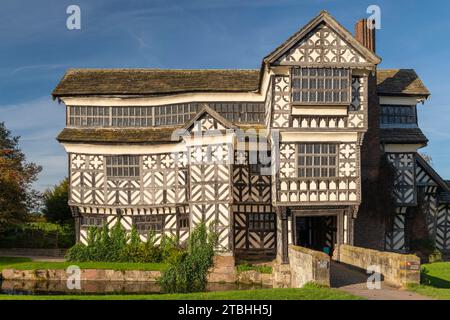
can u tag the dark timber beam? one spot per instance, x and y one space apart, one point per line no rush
283 216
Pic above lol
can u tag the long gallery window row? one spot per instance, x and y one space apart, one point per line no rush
157 116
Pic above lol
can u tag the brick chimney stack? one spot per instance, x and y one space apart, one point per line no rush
371 146
365 33
369 228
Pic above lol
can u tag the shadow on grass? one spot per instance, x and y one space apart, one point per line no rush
429 280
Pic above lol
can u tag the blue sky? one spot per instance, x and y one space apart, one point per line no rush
36 48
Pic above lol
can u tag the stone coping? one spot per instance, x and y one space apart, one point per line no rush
383 254
316 254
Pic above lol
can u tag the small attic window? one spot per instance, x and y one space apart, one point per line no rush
321 85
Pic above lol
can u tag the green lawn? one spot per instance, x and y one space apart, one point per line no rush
435 281
27 264
8 261
310 292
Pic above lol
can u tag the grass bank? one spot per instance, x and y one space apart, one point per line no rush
435 281
27 264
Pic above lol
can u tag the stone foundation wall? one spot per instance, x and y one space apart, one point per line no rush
308 266
281 277
86 275
255 277
224 269
397 269
130 276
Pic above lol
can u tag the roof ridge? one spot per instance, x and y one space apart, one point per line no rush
157 69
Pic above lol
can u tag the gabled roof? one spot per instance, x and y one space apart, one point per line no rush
77 82
323 17
404 82
433 174
88 82
206 110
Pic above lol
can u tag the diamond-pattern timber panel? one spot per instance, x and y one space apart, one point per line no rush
207 124
288 154
281 102
357 117
348 154
404 183
322 45
87 179
249 186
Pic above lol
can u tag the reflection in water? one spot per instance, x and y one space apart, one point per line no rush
17 287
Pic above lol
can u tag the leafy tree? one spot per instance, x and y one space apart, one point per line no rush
17 197
56 207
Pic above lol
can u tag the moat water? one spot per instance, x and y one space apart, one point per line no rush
17 287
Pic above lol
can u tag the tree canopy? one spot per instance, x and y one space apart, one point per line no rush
17 197
56 207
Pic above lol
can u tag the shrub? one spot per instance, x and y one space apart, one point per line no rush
188 270
115 245
77 253
245 266
435 256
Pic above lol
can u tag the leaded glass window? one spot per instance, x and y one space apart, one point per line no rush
148 223
157 116
91 221
86 116
398 114
260 221
317 160
183 222
321 85
122 166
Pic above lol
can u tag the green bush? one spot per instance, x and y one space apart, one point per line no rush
246 266
435 256
115 245
188 269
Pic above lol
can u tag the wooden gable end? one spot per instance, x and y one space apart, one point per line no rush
208 120
321 46
323 42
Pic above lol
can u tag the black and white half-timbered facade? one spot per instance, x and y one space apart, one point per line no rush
272 156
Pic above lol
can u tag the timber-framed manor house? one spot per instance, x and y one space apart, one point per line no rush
166 149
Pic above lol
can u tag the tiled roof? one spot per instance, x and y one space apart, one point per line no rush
402 135
122 135
79 82
154 81
160 135
400 82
